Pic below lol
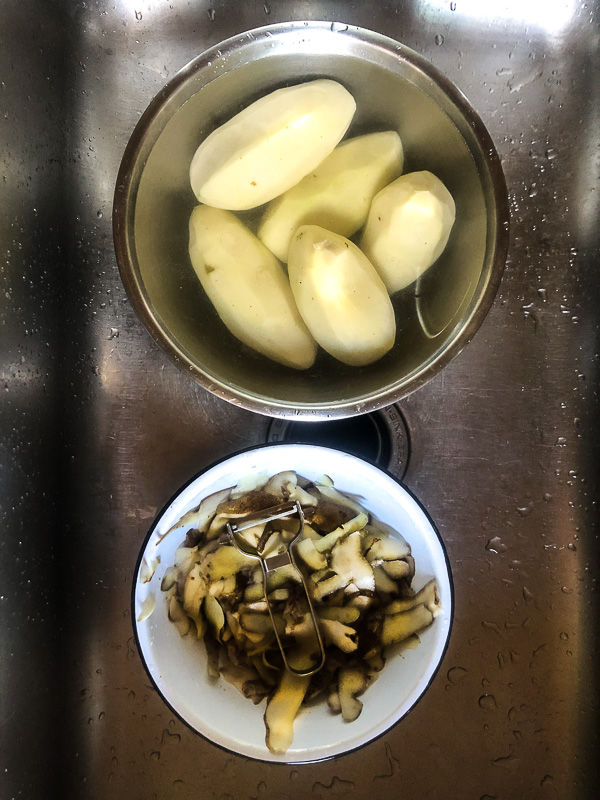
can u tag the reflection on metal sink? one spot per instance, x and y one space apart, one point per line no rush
98 428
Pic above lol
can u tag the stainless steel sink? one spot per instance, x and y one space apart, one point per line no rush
98 428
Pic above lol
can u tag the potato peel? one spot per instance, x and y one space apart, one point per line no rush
282 708
360 586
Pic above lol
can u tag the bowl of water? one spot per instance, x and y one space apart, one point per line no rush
394 89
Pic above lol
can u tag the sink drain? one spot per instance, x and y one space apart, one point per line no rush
380 437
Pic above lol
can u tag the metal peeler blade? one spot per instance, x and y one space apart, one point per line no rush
270 565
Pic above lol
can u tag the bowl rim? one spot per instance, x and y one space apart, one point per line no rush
269 447
498 224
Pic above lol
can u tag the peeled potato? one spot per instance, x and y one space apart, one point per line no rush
271 145
408 228
340 296
248 288
337 194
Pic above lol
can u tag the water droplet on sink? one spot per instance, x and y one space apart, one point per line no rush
561 441
138 15
456 674
488 702
547 497
211 14
439 39
496 545
337 786
170 738
338 27
510 762
547 780
543 294
491 626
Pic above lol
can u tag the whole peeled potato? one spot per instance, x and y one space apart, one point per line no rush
271 145
408 227
340 296
248 288
337 194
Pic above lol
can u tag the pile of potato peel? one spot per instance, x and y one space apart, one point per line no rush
359 574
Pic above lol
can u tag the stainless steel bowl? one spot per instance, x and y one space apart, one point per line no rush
395 88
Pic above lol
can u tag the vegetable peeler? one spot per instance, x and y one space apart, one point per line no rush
270 564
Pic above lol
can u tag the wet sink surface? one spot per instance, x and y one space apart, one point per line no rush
99 429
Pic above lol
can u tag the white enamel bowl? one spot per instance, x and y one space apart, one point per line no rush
217 711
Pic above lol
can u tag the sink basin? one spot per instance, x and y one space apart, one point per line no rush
99 428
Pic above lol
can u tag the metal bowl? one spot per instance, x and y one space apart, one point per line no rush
394 88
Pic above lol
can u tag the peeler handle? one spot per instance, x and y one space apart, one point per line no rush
311 656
